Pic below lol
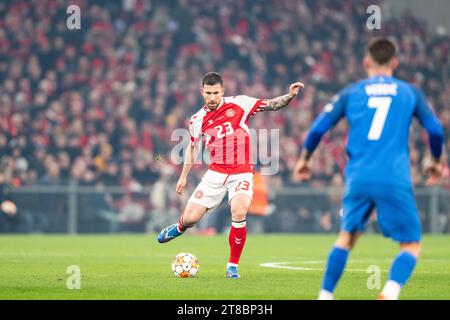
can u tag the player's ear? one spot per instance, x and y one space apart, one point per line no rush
367 63
394 63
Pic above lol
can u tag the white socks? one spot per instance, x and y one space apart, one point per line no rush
391 290
239 224
325 295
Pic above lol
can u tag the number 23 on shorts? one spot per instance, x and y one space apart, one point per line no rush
243 185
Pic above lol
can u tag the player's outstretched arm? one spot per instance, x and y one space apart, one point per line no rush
282 101
331 114
191 154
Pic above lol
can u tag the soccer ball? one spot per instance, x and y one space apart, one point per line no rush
185 265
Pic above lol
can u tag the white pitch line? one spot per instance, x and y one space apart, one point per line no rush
285 265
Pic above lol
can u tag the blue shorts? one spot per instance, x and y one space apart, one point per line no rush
397 212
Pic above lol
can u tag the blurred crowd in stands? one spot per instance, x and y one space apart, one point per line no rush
98 105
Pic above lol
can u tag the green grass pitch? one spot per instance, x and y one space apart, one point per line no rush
137 267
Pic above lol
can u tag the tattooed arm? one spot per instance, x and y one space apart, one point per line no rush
278 102
282 101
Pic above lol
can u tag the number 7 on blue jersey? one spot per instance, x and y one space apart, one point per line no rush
382 105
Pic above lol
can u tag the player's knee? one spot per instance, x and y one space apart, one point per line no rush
346 245
238 212
414 248
346 240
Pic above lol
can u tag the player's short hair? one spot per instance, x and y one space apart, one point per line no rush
382 50
212 78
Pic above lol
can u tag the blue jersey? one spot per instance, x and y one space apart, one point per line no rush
379 111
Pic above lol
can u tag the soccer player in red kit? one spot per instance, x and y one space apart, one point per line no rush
222 124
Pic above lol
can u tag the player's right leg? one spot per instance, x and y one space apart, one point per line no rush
398 218
207 196
191 215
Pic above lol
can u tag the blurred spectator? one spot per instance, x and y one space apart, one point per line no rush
162 199
260 207
131 215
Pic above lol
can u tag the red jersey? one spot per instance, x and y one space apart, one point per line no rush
226 134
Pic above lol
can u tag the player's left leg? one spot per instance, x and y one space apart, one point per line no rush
238 233
357 206
240 195
336 262
347 240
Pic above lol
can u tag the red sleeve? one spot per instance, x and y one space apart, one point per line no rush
258 107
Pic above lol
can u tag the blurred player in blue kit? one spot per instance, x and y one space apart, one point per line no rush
379 111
